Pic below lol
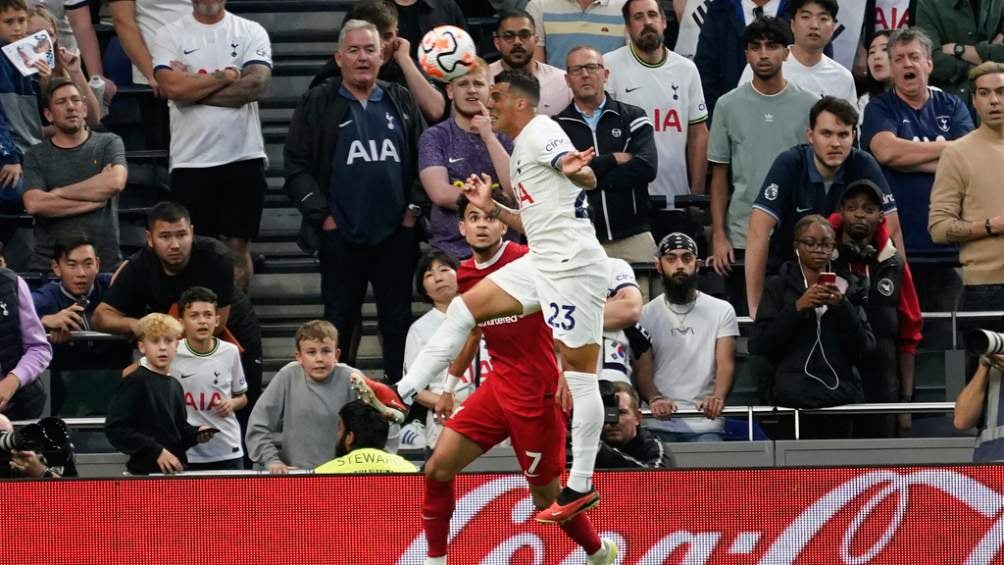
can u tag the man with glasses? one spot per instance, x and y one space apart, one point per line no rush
668 87
809 179
625 161
516 40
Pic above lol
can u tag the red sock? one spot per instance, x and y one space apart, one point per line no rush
437 509
580 529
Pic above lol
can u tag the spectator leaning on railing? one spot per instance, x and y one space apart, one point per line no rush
24 351
813 332
349 133
72 180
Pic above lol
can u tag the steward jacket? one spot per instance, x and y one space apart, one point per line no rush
311 142
813 357
620 204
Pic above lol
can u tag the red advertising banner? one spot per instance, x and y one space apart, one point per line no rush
902 515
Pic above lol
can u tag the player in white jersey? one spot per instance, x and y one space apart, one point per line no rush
667 85
621 312
210 373
563 274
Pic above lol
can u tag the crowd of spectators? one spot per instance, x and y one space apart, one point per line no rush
821 181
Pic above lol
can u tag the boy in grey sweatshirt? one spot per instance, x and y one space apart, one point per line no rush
295 421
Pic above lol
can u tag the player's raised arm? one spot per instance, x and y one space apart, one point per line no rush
575 166
479 191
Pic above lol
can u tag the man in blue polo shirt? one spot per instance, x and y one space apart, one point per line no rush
906 130
808 179
351 165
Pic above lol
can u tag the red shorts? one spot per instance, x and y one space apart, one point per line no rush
539 442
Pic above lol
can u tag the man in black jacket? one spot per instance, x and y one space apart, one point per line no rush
627 445
625 161
351 167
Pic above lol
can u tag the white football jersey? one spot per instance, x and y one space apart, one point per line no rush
553 209
672 95
208 378
209 136
151 15
825 78
616 362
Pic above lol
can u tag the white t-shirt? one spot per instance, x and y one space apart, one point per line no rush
825 78
208 136
672 95
208 378
683 350
555 95
58 9
151 15
615 365
554 210
419 334
891 14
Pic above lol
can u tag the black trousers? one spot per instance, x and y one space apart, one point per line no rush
346 270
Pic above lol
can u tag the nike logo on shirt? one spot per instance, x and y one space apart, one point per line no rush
184 376
189 51
799 209
631 89
457 160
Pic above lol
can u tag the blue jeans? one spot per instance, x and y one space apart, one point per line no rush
686 437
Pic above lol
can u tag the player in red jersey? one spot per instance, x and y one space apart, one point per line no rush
525 400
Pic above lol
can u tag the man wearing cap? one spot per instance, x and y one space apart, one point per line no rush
868 260
692 359
809 179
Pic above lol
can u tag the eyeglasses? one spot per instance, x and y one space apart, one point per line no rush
591 68
510 36
825 245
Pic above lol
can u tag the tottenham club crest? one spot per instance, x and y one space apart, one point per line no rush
885 287
944 123
390 120
770 193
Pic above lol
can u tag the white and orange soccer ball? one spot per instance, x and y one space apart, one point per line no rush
446 52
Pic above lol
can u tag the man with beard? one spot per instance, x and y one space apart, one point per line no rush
809 179
516 39
362 438
867 258
668 87
753 124
453 150
692 360
72 181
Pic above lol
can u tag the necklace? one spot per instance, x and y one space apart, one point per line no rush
681 317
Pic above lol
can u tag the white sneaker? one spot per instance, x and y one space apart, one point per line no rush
607 555
412 435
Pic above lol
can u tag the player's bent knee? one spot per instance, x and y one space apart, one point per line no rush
437 472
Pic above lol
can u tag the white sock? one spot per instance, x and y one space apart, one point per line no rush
587 423
435 560
443 347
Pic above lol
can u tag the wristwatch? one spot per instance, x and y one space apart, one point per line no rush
959 50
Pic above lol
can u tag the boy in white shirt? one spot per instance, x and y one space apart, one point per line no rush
209 370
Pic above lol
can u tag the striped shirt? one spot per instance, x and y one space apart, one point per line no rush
563 24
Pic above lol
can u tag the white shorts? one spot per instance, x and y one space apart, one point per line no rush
572 302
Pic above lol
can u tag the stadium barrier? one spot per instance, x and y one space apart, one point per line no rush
849 515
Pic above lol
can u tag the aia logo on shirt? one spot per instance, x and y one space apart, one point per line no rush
371 153
203 402
667 120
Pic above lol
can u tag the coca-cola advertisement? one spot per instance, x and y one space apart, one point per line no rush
894 515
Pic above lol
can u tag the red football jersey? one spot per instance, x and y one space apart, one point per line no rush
524 367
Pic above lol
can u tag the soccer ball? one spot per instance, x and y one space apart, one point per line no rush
446 52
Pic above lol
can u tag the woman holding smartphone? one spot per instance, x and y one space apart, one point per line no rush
812 332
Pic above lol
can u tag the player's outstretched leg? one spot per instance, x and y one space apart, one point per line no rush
442 348
380 396
578 528
454 451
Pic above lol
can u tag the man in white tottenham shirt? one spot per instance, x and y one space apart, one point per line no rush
560 275
516 40
667 86
692 359
136 22
620 315
213 66
812 25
